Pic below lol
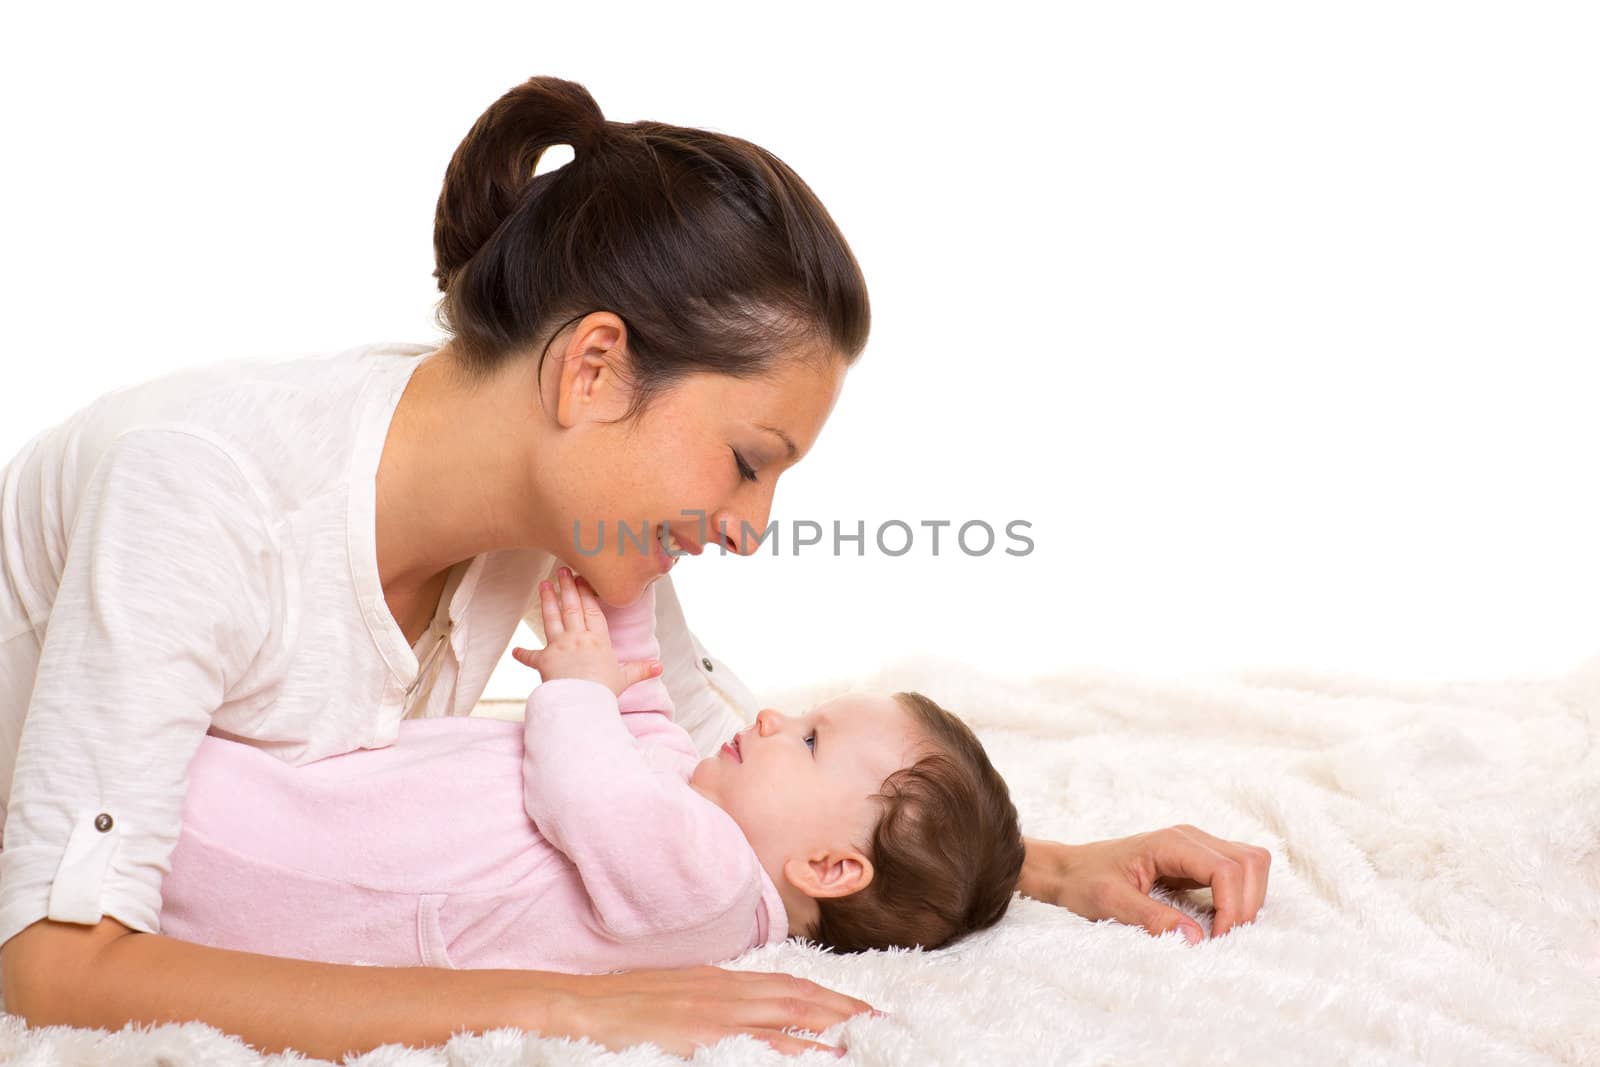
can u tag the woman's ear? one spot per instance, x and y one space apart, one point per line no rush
834 872
590 381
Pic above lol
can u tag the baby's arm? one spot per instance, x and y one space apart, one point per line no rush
655 856
646 706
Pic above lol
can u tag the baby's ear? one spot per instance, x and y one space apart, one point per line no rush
835 872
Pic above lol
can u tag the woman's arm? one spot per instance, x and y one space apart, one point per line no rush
1113 879
163 605
106 976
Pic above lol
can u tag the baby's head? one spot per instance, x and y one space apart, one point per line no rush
879 818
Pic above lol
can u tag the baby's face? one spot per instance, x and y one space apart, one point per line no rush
800 784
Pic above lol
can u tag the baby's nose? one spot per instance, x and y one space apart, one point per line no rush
768 720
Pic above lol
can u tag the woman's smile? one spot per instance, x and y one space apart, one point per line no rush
669 548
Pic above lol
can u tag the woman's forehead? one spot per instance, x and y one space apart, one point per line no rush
792 403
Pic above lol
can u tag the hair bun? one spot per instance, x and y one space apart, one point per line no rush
571 108
500 155
554 157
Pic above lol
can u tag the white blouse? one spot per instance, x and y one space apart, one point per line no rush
197 555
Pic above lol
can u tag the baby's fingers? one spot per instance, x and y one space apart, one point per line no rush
571 609
593 615
528 657
638 670
553 626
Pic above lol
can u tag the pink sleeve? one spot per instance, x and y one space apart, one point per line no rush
654 855
646 706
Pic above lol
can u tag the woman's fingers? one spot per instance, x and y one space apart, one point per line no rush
1236 873
1255 863
1143 910
790 1002
790 1045
1239 897
775 1001
1263 869
691 1007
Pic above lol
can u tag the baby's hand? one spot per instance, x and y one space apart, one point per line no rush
576 643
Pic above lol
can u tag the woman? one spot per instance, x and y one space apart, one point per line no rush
301 553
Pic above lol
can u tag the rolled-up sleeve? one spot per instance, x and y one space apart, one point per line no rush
164 602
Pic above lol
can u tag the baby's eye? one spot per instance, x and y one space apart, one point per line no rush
811 739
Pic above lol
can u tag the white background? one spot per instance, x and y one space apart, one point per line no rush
1276 321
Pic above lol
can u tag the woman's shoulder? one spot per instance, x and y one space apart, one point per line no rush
251 397
289 423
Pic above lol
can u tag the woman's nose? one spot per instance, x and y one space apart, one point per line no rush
743 532
741 537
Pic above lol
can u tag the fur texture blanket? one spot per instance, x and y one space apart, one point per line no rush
1434 894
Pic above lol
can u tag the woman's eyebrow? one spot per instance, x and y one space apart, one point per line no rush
793 451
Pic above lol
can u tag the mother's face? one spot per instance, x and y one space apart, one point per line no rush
711 445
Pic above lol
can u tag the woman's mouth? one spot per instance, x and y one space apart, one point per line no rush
667 548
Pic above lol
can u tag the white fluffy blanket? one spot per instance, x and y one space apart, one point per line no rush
1434 897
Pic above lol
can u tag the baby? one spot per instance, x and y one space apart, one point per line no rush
868 822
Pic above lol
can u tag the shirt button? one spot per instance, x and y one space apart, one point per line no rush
706 662
102 822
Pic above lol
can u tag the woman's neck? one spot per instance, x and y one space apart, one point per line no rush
452 482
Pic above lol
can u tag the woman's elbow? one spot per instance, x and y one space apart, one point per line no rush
47 958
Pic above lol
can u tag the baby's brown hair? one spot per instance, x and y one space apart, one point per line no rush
946 852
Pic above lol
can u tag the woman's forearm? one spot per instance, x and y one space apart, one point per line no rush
327 1010
104 976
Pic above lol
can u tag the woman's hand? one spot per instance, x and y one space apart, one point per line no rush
1112 879
576 642
681 1010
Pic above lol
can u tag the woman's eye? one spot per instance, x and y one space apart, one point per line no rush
745 470
811 739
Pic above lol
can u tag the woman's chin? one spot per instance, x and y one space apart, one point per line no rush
619 585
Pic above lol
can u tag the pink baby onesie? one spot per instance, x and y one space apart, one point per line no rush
569 842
